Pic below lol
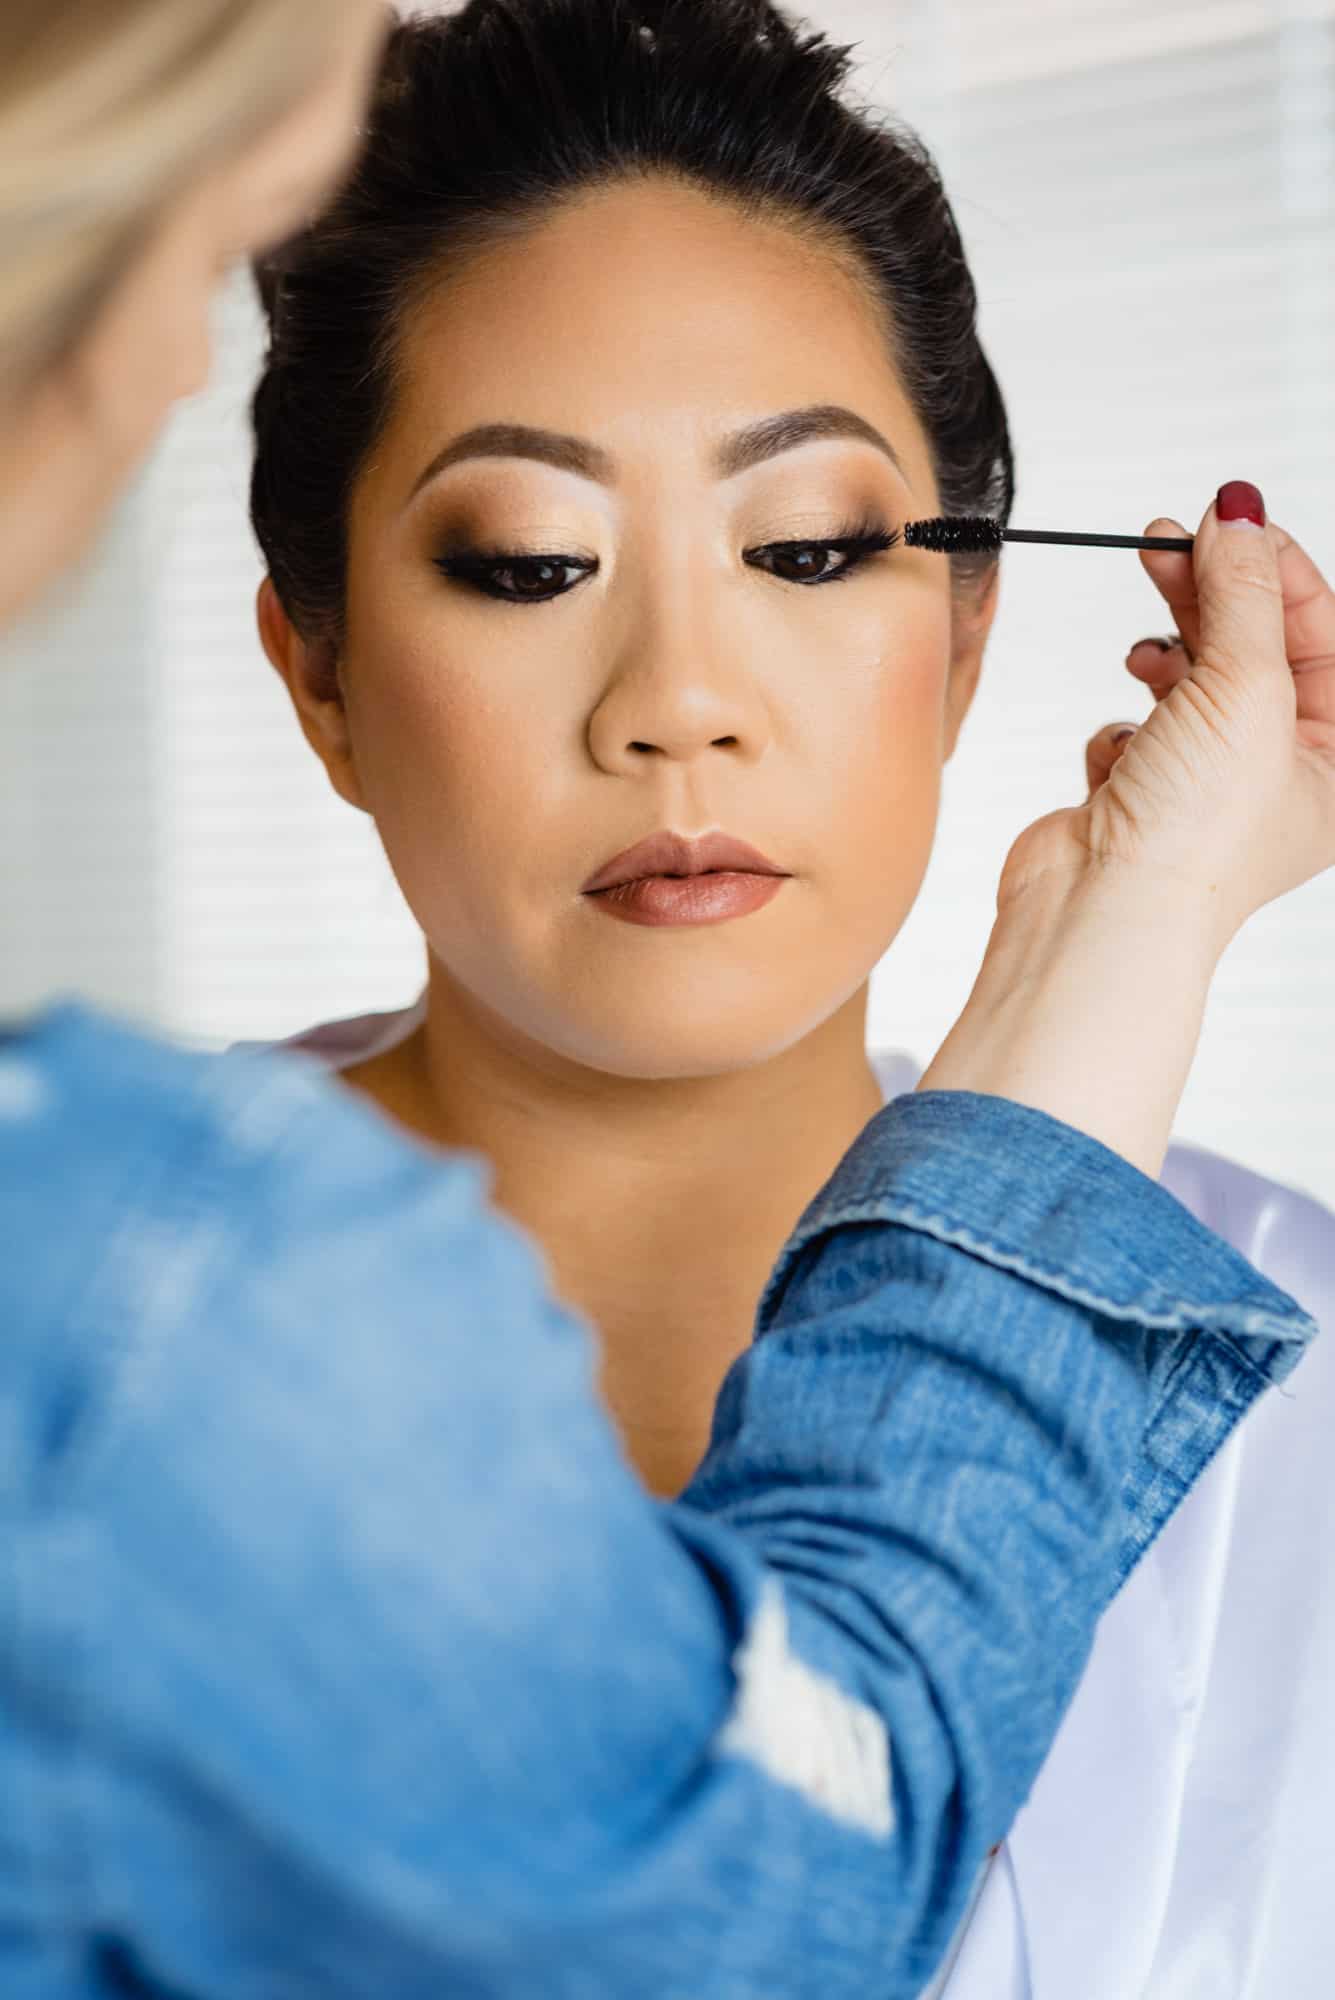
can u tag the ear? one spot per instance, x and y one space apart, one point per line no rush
971 623
308 669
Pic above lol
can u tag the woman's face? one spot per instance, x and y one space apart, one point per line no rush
512 724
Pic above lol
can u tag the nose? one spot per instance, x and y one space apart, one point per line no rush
675 693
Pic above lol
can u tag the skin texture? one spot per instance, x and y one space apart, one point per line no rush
659 1104
70 446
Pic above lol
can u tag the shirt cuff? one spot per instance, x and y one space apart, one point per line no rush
1024 1192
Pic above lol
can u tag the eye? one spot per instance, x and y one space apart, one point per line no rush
515 579
823 561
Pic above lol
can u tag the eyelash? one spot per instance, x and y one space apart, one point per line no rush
858 544
481 569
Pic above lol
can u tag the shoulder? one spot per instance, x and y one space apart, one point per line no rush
136 1173
78 1088
164 1211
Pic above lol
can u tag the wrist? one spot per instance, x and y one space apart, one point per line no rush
1053 898
1088 1006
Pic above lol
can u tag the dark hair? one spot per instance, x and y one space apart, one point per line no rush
483 120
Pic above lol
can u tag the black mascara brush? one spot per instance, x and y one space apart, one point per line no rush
979 534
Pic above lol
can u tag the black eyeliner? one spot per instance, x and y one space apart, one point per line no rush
475 567
867 538
456 561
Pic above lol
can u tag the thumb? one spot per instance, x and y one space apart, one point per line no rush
1238 588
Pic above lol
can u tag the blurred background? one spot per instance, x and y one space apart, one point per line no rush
1147 192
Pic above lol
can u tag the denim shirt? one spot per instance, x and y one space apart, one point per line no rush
342 1653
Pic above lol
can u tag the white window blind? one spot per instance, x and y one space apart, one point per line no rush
1147 192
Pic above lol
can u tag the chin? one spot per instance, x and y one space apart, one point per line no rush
666 1037
688 1058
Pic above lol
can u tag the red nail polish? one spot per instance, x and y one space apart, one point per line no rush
1239 500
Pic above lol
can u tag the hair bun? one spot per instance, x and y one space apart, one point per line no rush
730 14
747 20
655 20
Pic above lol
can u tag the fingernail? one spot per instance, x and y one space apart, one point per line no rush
1120 735
1239 500
1163 645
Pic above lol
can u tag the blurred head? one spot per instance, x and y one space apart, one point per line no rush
592 411
144 146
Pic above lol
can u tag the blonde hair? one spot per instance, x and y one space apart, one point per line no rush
108 108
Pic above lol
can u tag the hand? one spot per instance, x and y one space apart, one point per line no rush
1227 792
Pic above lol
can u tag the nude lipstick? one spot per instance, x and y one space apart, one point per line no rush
670 879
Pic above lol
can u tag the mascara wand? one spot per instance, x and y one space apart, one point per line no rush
979 534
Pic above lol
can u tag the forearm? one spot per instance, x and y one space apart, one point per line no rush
1088 1006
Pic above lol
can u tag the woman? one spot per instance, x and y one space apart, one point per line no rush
603 548
339 1653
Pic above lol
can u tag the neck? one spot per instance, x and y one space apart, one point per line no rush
661 1204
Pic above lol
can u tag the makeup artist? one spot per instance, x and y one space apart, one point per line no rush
339 1649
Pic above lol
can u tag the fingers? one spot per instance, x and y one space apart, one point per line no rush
1103 750
1309 629
1309 620
1160 663
1175 580
1240 606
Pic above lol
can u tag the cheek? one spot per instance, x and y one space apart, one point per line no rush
877 711
880 730
452 756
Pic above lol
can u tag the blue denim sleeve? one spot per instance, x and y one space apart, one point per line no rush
342 1654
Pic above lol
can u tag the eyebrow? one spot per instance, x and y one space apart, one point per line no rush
735 454
567 454
791 428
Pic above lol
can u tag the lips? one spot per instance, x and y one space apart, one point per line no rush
674 854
